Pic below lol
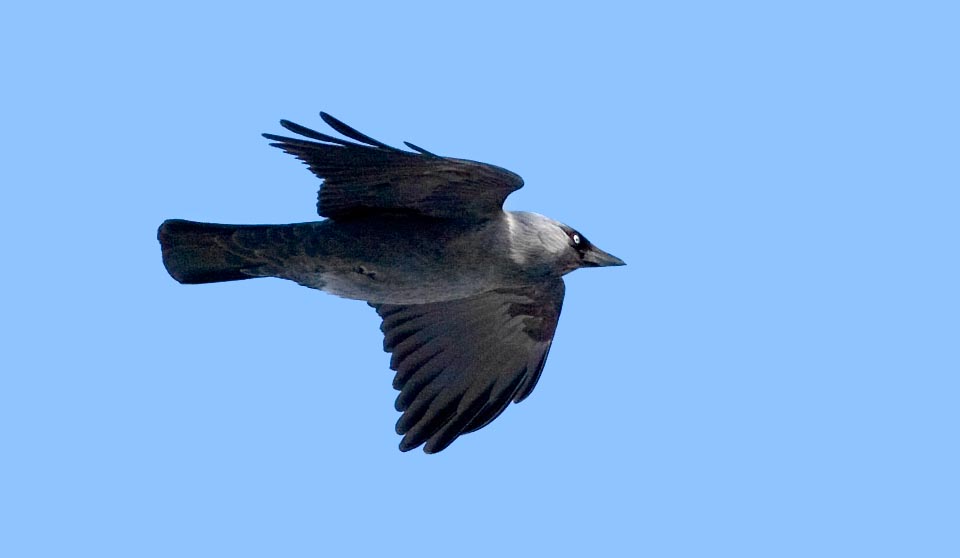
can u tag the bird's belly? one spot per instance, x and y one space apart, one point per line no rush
383 285
397 261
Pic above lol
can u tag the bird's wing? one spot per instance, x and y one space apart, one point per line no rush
370 176
460 363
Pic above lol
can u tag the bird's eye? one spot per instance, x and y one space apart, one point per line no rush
576 239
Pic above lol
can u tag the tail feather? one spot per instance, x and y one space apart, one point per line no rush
196 252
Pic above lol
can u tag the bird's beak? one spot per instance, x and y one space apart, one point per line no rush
596 257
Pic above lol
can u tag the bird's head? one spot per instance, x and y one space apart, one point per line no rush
540 243
580 252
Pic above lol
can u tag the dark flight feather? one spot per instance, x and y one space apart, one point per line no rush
371 177
354 134
419 149
460 363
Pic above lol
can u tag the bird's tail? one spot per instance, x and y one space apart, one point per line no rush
200 252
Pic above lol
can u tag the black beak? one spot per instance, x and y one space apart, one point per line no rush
595 257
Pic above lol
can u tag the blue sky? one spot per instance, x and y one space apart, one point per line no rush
773 374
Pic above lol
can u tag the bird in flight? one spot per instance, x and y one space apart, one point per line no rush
469 294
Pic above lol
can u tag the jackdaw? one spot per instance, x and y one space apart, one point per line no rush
469 294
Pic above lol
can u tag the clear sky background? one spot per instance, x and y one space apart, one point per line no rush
775 373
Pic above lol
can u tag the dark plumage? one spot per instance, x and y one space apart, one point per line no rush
469 294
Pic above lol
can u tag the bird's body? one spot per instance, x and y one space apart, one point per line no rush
469 293
383 259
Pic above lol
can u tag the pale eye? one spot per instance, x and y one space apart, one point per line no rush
576 238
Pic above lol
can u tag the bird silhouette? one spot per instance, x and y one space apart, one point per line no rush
469 294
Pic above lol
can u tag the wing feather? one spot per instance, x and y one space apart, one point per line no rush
370 176
460 363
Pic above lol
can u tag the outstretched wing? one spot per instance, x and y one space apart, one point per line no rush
460 363
370 176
